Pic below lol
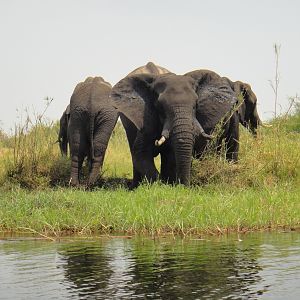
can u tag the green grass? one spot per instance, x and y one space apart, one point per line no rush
155 209
262 191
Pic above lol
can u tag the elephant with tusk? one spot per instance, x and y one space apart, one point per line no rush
165 113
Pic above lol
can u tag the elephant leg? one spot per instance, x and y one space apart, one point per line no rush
137 178
143 161
144 168
168 167
131 133
96 166
76 166
232 139
77 159
78 146
102 132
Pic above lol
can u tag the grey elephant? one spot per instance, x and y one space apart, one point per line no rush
150 68
165 114
92 120
130 129
63 131
247 109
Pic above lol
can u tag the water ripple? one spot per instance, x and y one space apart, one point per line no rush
264 266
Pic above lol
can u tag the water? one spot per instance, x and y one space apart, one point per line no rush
252 266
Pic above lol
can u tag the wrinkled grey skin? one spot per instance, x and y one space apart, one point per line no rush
247 110
92 120
216 105
63 131
132 131
180 108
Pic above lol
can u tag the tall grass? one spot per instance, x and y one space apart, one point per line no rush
34 160
33 153
270 159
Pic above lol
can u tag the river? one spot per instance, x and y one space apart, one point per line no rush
249 266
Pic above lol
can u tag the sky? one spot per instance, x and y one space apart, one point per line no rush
47 47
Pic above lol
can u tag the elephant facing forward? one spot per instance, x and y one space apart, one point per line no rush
131 130
92 120
167 113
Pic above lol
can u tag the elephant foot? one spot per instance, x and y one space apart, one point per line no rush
73 182
90 185
133 185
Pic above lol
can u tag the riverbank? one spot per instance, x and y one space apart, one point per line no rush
156 209
260 192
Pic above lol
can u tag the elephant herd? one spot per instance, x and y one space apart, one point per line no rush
163 113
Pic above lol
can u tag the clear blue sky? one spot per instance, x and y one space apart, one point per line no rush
47 47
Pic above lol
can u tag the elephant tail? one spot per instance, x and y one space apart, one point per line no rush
92 125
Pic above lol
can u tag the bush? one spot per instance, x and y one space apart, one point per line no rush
271 158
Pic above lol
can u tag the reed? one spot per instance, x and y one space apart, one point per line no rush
30 158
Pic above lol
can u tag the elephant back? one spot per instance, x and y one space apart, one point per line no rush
91 95
89 82
150 68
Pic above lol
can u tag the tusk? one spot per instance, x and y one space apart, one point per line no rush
207 136
201 131
266 125
160 141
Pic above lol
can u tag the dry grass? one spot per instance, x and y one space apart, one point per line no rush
32 159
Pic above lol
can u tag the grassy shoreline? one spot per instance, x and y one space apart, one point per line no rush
156 209
261 192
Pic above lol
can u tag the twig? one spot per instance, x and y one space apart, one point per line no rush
36 232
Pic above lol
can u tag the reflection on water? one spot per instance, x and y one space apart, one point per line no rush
264 266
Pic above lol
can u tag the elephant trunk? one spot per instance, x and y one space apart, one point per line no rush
254 122
183 142
199 131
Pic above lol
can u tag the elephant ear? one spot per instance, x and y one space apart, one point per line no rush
133 96
67 111
216 98
248 110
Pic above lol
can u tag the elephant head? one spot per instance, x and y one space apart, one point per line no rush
248 114
164 108
63 131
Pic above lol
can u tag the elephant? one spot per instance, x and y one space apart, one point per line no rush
165 114
130 129
92 120
150 68
63 131
247 109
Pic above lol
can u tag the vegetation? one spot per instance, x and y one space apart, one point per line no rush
155 209
31 158
260 192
